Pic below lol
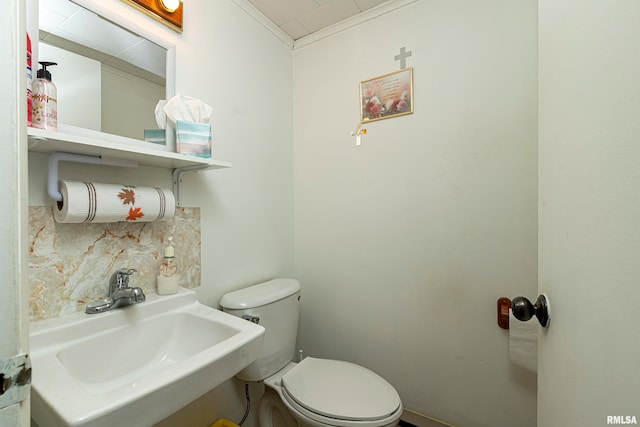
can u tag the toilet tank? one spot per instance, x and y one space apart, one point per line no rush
275 305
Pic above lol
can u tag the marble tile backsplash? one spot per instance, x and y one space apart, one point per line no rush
70 264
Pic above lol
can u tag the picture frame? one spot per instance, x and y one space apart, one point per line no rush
387 96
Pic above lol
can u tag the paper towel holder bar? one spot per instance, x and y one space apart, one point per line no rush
60 156
523 309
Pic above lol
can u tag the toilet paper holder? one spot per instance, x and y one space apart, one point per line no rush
524 310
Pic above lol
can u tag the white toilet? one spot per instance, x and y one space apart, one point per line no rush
317 392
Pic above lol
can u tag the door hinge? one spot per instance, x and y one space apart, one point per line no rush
15 379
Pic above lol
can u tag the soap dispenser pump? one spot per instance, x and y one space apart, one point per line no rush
168 279
44 100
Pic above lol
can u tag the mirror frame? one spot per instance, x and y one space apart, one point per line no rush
133 23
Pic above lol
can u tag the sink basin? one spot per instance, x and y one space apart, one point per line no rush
135 365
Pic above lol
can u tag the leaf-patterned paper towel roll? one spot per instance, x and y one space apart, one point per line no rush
97 202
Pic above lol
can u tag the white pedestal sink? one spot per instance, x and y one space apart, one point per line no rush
135 365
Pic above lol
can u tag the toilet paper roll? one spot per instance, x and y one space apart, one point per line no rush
95 202
523 343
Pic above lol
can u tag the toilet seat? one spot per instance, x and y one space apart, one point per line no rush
340 393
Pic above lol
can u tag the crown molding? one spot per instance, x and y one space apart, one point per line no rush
253 12
351 22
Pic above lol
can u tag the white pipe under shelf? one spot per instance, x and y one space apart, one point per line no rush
57 157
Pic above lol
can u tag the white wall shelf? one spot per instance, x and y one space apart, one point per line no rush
43 141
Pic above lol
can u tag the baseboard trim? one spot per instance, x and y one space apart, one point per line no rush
421 420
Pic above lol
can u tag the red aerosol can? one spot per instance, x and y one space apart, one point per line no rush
29 79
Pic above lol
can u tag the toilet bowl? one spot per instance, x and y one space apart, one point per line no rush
273 413
315 392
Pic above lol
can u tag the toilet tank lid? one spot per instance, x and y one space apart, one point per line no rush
260 294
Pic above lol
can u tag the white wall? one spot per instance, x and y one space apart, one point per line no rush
244 72
589 210
404 244
232 62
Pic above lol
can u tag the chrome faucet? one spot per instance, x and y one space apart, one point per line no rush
120 294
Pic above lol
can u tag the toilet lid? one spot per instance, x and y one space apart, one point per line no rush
340 390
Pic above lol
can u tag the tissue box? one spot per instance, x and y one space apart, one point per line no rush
157 136
193 139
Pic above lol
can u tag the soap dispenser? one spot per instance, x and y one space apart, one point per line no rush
44 100
168 277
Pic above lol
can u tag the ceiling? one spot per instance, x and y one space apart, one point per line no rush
299 18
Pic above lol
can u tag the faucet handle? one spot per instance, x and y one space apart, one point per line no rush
120 279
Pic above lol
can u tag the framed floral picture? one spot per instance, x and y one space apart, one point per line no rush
386 96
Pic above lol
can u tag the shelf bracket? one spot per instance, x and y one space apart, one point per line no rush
57 157
177 178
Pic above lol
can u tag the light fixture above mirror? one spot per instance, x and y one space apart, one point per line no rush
169 5
169 12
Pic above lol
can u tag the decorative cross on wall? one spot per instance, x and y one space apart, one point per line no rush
402 57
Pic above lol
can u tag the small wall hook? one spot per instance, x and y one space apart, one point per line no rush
358 132
523 309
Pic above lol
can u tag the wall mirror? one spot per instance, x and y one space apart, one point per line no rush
110 75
